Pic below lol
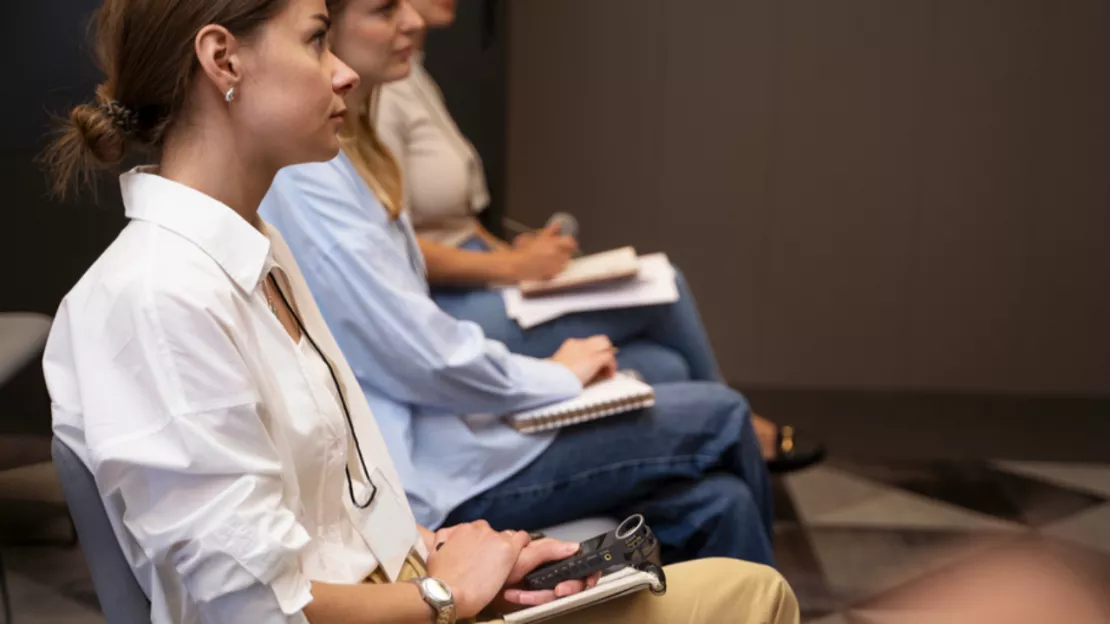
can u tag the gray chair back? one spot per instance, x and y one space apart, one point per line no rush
121 597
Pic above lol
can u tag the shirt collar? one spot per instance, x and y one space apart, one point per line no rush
241 251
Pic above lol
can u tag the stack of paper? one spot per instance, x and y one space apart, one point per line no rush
654 285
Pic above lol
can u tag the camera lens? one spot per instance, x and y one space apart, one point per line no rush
630 526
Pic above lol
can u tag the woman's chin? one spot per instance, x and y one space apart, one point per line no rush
328 150
400 71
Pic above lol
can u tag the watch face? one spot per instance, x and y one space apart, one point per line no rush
437 590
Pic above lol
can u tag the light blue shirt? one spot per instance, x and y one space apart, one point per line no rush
420 369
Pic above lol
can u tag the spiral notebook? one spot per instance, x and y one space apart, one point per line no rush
621 393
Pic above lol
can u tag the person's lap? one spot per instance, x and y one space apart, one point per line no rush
689 462
667 342
655 363
486 307
704 591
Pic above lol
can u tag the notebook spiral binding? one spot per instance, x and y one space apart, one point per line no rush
559 419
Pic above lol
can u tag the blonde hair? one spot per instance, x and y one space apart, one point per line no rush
373 160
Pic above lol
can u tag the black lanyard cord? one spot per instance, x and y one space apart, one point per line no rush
342 401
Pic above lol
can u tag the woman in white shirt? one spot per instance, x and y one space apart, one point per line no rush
192 372
446 191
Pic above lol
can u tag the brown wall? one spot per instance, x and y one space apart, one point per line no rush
863 193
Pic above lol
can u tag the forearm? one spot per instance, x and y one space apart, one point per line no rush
452 266
490 240
367 603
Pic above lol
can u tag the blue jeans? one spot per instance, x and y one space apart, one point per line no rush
690 465
663 342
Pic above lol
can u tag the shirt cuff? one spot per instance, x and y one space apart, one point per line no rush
549 381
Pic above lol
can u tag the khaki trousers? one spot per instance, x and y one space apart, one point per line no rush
708 591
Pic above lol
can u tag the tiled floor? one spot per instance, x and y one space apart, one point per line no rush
852 537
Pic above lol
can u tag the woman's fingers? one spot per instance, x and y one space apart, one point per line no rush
529 598
569 588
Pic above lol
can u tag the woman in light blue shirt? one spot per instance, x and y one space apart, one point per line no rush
691 464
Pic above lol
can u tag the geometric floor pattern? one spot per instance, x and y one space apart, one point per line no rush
853 537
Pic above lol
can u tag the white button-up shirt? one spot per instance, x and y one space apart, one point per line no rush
218 444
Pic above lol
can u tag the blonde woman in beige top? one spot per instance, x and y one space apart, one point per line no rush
445 191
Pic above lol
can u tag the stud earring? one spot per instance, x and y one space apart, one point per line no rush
230 95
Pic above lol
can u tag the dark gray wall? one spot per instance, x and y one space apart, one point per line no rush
863 193
468 62
45 246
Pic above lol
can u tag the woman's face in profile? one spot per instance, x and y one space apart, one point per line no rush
291 98
377 38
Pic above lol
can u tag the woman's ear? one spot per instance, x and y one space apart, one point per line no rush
217 50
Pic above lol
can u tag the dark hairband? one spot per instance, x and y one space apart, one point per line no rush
124 118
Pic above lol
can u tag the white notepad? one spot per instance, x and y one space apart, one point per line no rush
621 393
611 586
653 285
608 266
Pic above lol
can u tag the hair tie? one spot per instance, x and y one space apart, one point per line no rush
124 118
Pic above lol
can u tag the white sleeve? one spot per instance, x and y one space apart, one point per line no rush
176 431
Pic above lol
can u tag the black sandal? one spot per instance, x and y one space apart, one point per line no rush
794 452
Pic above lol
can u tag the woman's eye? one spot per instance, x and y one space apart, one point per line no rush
388 8
320 40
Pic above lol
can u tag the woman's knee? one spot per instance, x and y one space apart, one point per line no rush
729 585
730 510
725 404
703 398
654 362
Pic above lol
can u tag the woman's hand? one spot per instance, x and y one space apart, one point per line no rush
476 562
589 359
523 239
542 255
533 556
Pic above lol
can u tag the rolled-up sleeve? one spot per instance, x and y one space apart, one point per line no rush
397 340
176 433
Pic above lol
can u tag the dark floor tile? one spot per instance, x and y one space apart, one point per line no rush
83 592
797 561
980 487
34 523
784 504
